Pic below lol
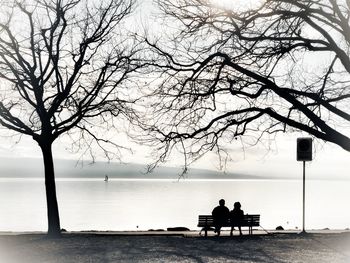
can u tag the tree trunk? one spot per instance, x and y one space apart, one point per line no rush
54 229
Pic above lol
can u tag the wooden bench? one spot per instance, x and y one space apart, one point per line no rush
206 221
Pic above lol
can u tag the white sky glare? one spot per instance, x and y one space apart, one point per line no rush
330 161
241 4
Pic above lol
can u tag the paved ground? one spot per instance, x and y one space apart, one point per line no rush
109 247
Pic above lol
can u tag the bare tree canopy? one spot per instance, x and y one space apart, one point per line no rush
238 73
64 63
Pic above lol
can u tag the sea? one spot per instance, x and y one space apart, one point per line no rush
144 204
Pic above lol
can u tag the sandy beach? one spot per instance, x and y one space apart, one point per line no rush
185 247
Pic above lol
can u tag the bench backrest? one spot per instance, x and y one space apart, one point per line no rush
248 220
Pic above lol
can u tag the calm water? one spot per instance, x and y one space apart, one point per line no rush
88 204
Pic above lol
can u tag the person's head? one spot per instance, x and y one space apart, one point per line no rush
222 202
237 205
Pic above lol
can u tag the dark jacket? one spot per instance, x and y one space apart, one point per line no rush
220 214
236 217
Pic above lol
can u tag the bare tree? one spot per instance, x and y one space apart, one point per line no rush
237 73
64 64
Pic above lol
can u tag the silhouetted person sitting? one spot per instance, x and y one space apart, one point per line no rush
220 216
236 217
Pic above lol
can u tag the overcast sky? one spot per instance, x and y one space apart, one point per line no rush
330 161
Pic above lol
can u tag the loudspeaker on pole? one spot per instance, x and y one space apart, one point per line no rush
304 149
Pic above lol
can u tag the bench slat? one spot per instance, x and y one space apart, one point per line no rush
248 220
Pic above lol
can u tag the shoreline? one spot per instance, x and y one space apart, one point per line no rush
190 232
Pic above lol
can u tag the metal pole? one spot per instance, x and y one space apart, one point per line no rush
303 197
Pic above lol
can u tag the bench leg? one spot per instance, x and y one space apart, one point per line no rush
206 227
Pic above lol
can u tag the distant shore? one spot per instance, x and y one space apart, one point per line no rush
33 168
176 247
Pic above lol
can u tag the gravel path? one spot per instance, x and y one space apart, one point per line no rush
75 247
